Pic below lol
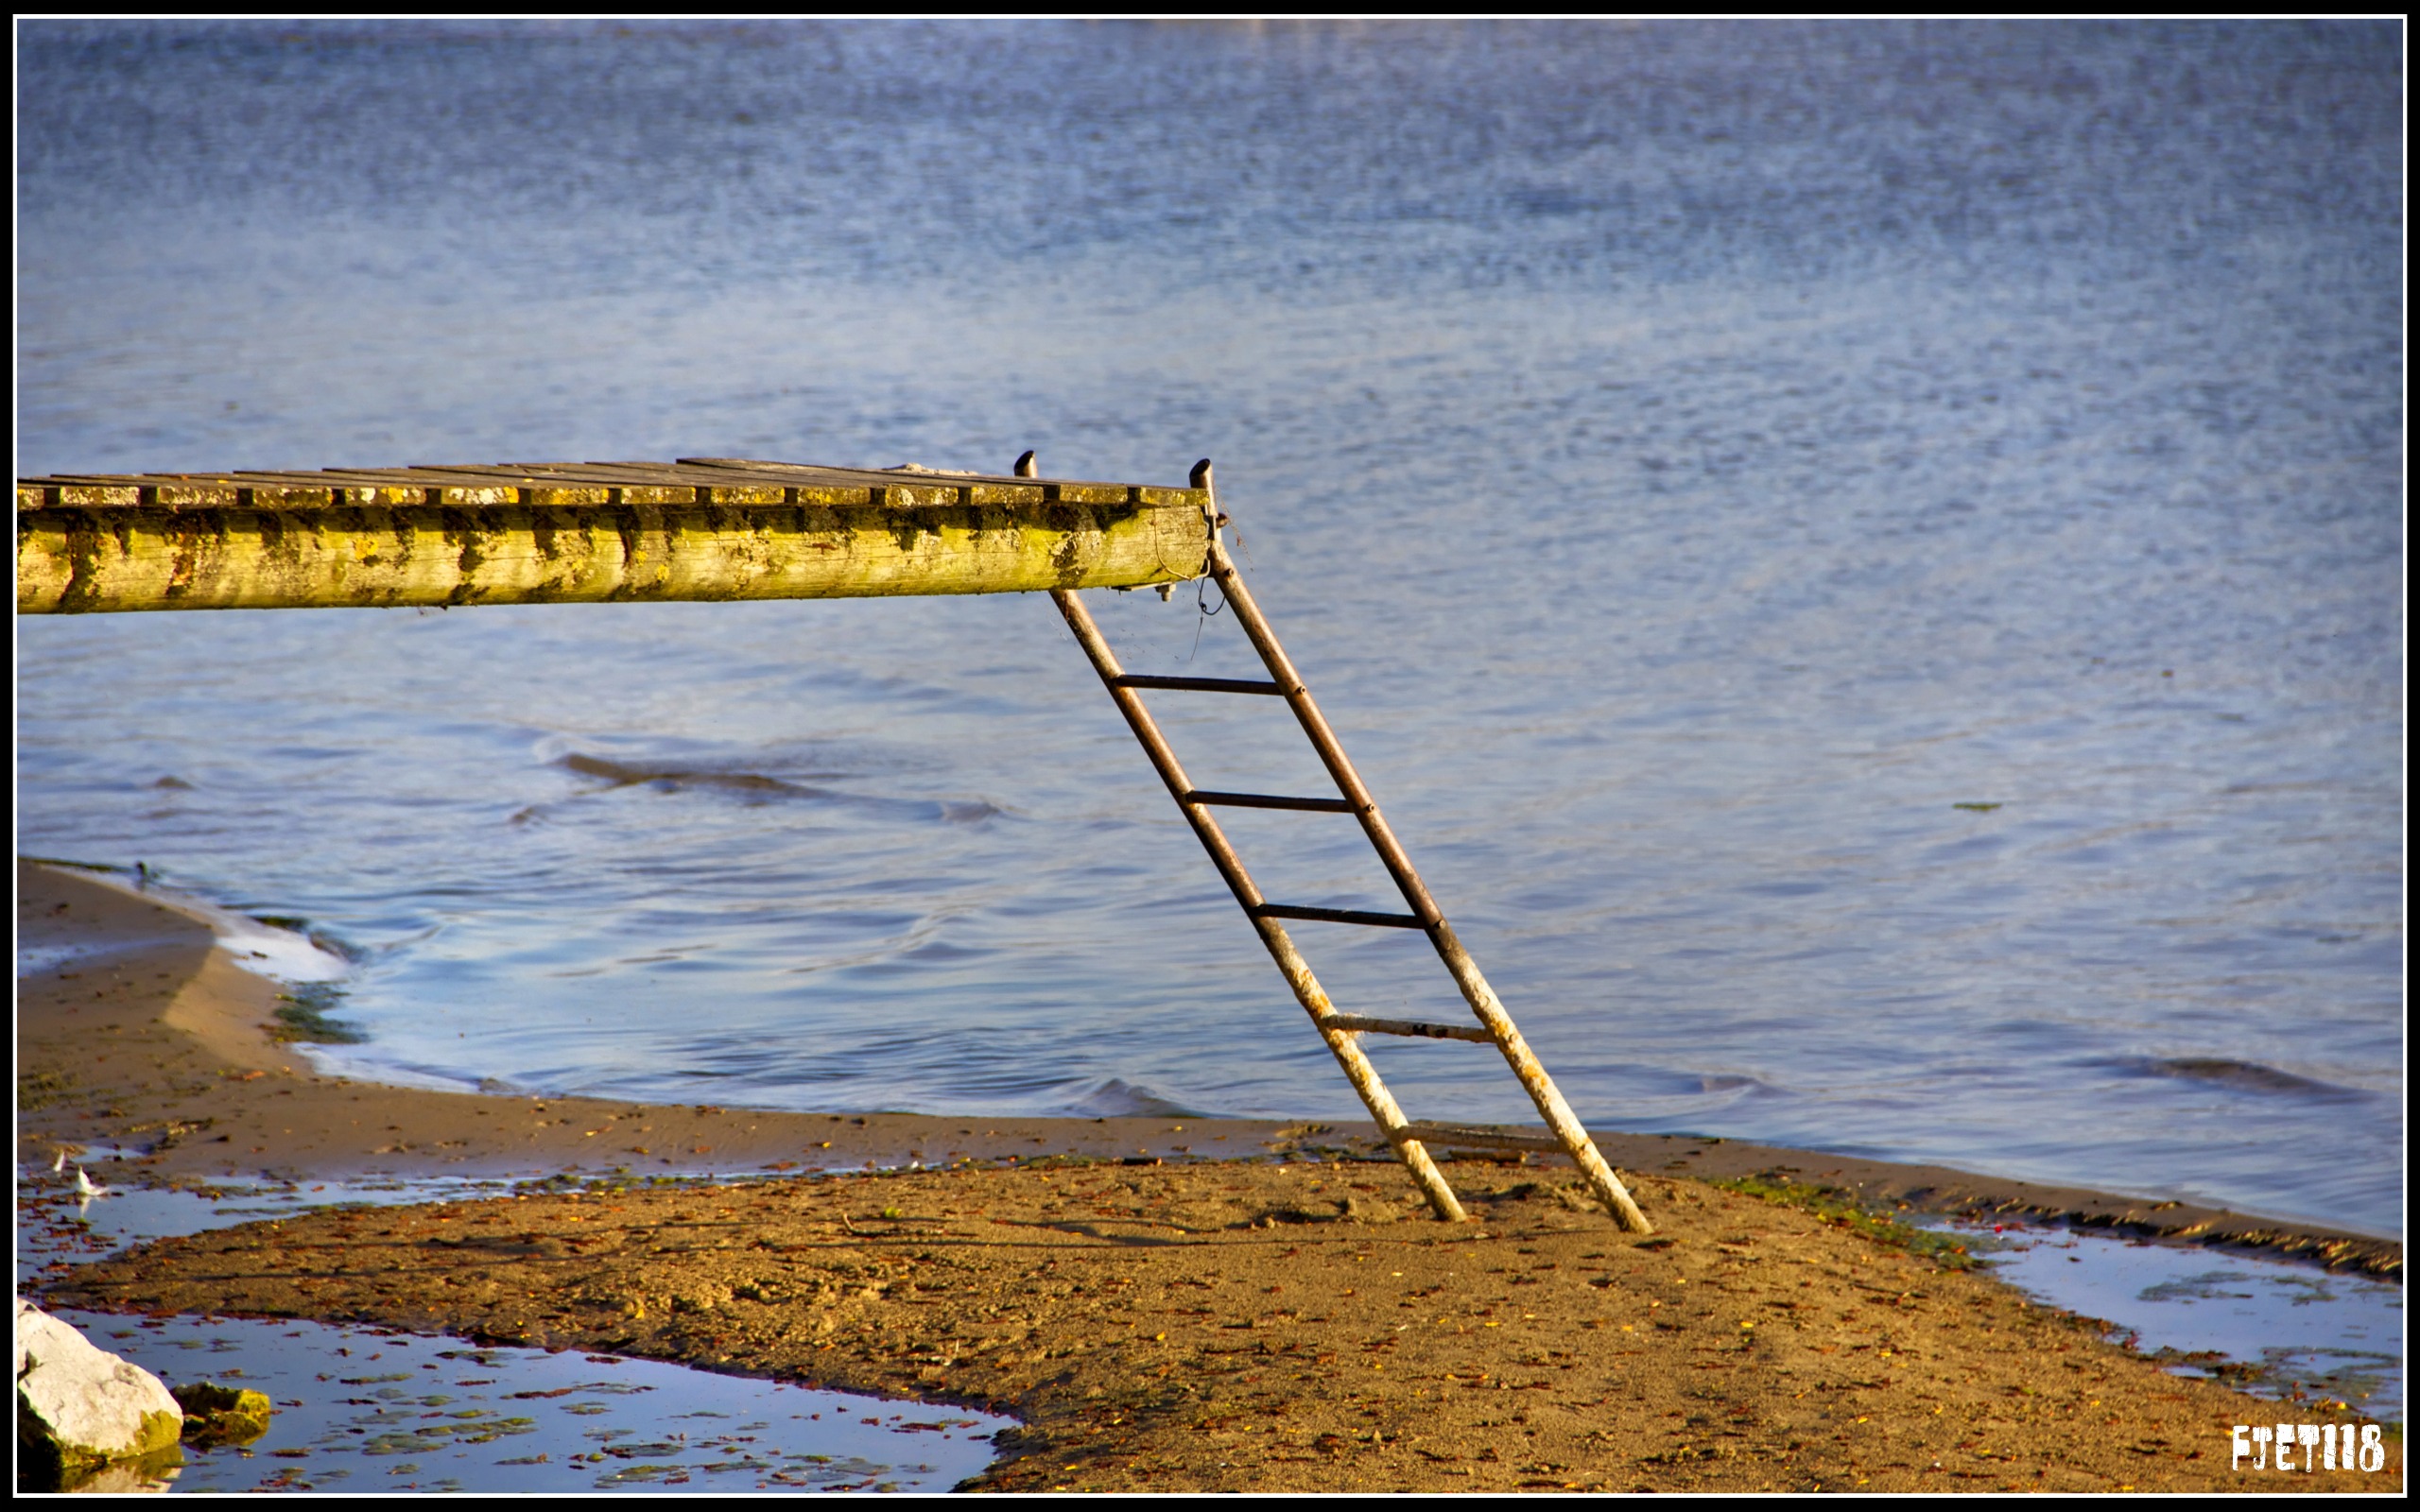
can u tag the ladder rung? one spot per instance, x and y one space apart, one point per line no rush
1132 680
1336 916
1267 801
1452 1134
1424 1031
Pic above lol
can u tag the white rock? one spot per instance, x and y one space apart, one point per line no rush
93 1406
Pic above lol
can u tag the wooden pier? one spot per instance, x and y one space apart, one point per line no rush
585 532
719 528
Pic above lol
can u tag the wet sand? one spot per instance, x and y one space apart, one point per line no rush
1250 1325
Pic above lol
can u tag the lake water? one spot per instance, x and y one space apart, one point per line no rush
1862 560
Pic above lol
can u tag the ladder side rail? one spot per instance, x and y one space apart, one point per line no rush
1475 990
1324 741
1290 964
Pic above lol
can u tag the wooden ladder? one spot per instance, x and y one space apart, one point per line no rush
1341 1031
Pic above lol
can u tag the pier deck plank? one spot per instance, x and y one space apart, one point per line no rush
584 532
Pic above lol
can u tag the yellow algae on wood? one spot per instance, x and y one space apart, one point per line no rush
584 533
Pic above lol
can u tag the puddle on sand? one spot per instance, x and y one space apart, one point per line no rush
363 1409
2273 1327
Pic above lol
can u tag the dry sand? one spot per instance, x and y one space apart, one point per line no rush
1188 1325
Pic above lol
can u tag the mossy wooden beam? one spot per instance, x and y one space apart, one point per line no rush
568 533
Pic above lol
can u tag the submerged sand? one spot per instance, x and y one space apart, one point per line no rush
1190 1325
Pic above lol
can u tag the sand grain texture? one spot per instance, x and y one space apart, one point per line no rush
1297 1328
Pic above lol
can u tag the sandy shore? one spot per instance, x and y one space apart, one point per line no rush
1241 1325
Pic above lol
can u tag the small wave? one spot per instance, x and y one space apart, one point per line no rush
33 960
336 945
622 776
1117 1098
281 954
756 786
2248 1076
354 1064
1657 1081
